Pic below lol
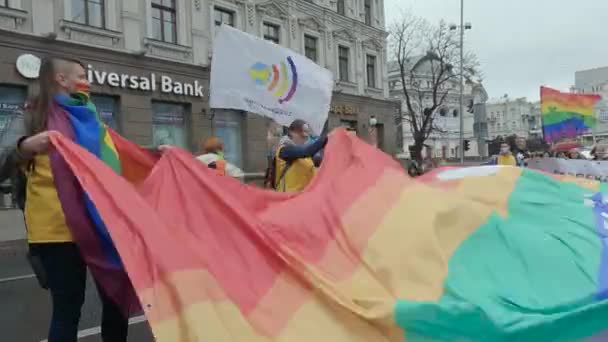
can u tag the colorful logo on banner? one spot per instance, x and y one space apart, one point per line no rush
281 80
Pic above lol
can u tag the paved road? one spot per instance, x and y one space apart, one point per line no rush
25 307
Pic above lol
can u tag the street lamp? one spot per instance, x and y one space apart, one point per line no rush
462 28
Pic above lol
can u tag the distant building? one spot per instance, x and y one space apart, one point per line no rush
595 81
445 141
507 116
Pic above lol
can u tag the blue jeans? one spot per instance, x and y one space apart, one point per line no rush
66 275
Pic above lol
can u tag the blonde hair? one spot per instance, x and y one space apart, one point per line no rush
211 145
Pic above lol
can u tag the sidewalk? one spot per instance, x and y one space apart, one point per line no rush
11 225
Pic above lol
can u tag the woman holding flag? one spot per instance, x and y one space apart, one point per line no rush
64 230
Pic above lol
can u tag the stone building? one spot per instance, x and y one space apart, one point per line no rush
507 116
444 141
149 62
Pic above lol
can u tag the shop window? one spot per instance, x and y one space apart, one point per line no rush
229 128
12 100
89 12
168 124
350 125
164 22
310 47
272 32
107 108
223 16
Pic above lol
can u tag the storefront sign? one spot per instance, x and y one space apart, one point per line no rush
344 109
145 83
28 66
9 106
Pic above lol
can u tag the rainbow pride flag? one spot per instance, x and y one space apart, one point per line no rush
364 254
566 115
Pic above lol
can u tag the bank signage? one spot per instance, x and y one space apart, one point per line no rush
28 66
152 82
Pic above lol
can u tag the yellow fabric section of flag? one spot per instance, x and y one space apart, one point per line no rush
107 139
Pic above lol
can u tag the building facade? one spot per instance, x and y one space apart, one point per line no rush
595 81
507 116
148 62
444 141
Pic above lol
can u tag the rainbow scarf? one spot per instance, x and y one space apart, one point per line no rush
566 115
365 253
75 117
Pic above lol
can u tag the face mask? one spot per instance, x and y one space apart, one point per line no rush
504 150
220 155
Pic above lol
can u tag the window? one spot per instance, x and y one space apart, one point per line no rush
88 12
3 3
228 127
371 71
168 126
271 32
340 7
164 23
223 16
11 107
368 12
443 112
343 60
350 125
310 47
107 108
455 113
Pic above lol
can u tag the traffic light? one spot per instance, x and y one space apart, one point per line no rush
466 145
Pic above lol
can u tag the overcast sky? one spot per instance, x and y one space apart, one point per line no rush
523 44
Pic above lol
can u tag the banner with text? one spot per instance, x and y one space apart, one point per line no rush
251 74
590 169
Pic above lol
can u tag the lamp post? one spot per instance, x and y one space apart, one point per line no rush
462 27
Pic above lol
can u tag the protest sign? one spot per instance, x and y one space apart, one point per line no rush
251 74
590 169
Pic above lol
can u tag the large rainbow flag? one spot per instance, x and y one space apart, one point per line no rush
566 115
364 254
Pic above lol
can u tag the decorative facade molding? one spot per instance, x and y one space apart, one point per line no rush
312 24
250 9
293 23
345 35
167 50
273 9
373 44
90 35
330 41
11 18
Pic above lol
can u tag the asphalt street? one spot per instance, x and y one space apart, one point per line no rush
25 307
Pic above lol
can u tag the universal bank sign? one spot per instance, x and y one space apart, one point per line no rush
29 66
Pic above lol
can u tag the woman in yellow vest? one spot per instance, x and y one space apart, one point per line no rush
506 157
294 165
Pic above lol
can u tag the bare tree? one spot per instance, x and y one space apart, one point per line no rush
428 61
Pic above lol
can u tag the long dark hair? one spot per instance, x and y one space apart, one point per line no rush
39 105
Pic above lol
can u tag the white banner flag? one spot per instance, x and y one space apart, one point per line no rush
579 168
257 76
